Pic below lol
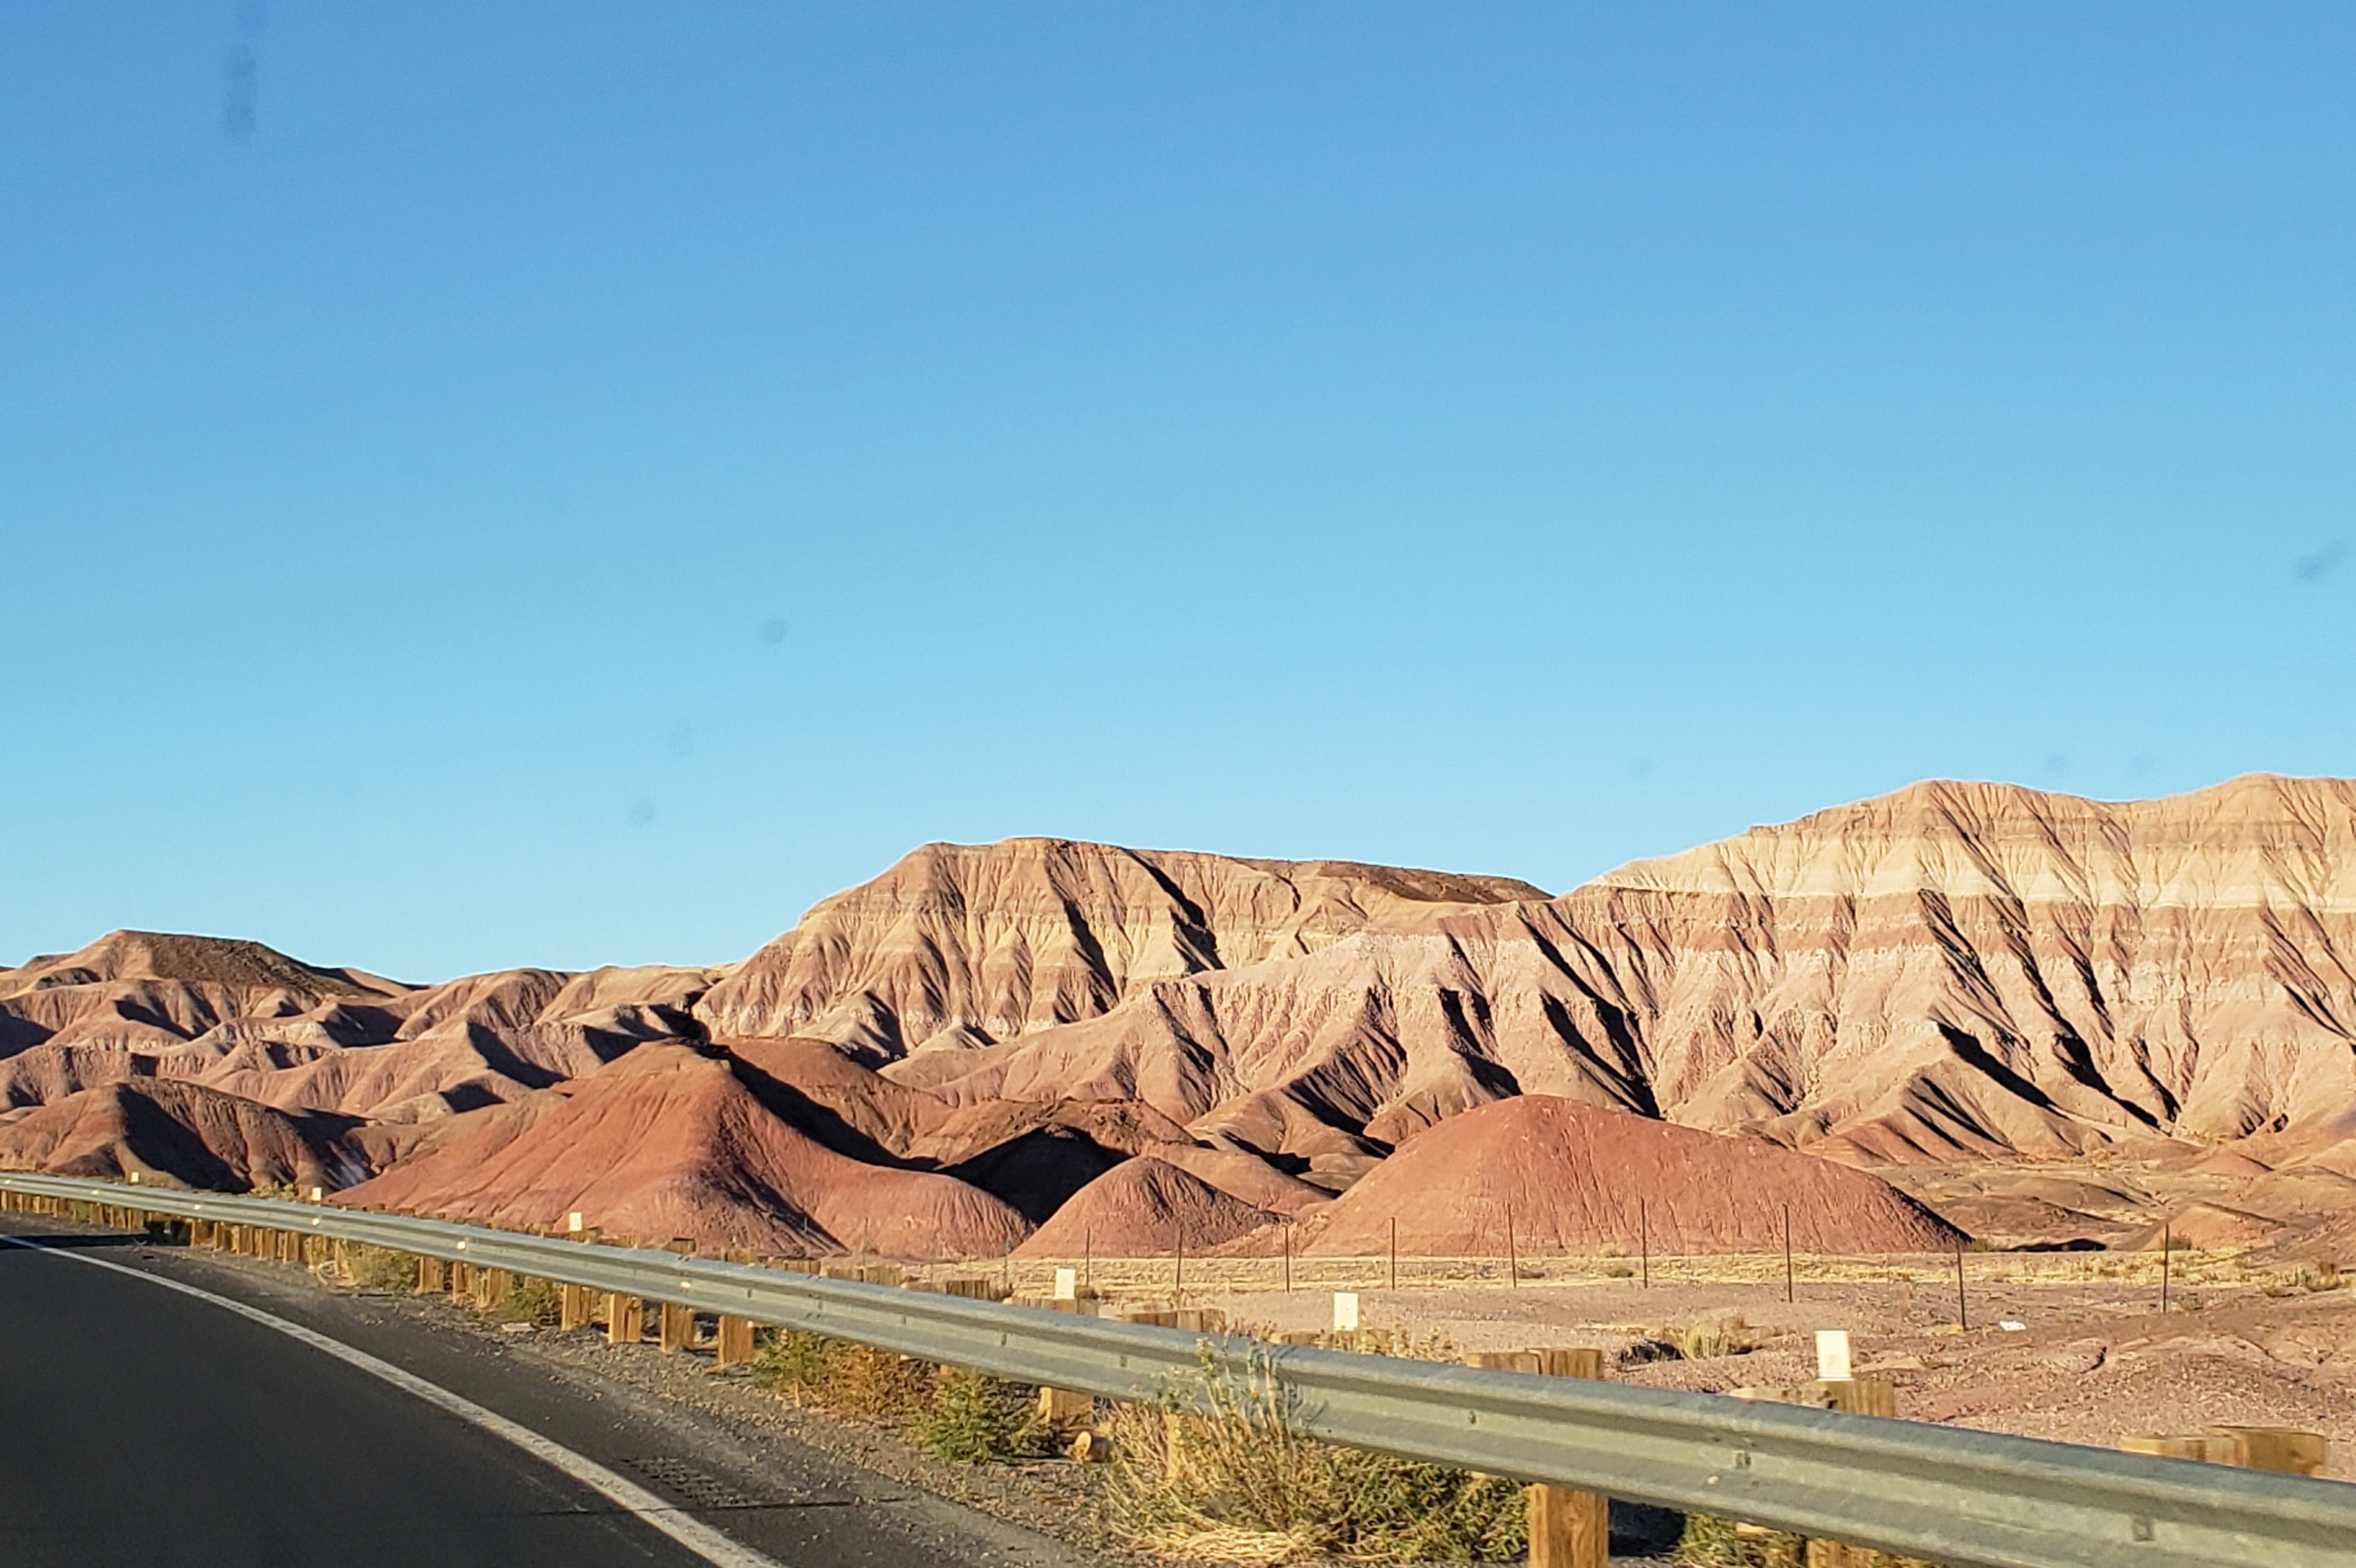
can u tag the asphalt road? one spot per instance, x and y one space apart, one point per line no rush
141 1426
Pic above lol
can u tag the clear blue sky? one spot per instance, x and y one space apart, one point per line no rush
490 485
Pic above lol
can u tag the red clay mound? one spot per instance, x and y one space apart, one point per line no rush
178 1134
1570 1176
1143 1208
670 1141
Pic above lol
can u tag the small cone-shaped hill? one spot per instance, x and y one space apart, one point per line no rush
1144 1207
180 1134
1571 1177
669 1141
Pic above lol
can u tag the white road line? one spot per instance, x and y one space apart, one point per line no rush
692 1533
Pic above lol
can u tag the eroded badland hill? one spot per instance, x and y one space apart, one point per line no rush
2043 1017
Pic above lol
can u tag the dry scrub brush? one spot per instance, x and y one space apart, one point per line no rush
844 1379
373 1269
533 1301
960 1416
1219 1470
1708 1340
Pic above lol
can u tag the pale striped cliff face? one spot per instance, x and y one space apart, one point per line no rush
965 945
1952 969
1979 965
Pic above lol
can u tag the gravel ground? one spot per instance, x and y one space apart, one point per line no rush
2092 1361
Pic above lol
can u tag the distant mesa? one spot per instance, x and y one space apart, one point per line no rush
990 1040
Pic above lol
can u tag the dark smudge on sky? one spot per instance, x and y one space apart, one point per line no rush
237 96
2320 564
238 92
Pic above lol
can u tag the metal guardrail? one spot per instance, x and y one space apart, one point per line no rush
1948 1495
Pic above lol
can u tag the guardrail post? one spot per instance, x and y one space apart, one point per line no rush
432 1276
735 1341
1856 1396
1568 1528
625 1319
574 1309
676 1328
1062 1410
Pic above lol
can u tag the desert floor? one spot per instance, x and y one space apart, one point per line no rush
2066 1346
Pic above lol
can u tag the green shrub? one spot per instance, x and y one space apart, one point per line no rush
1721 1543
794 1362
976 1419
537 1302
